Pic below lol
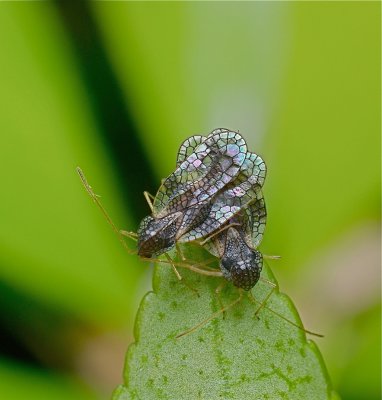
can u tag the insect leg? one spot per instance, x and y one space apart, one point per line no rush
173 266
169 259
210 318
130 235
179 250
262 304
218 231
201 271
185 265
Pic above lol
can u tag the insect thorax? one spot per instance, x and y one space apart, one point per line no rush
240 264
157 236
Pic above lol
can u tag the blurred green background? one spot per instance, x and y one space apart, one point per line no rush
115 88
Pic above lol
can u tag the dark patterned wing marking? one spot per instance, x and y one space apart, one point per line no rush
157 236
214 163
254 220
232 199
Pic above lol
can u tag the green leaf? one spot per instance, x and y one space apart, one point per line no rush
19 381
56 247
240 356
209 64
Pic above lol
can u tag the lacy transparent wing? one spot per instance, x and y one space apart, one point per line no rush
188 147
255 166
232 199
213 164
254 220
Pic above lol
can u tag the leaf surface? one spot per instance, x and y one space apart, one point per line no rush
239 356
54 246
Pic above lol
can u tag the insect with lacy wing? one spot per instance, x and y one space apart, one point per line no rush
240 224
204 165
203 174
182 202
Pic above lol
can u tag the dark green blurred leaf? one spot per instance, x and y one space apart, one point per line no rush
54 244
20 383
238 357
187 67
364 333
323 149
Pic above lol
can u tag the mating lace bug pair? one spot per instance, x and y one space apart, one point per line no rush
214 197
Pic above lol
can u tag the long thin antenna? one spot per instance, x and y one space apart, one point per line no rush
292 323
262 305
100 206
120 233
211 317
271 257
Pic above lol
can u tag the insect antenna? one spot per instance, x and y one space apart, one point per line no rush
148 198
271 257
211 317
101 207
263 305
